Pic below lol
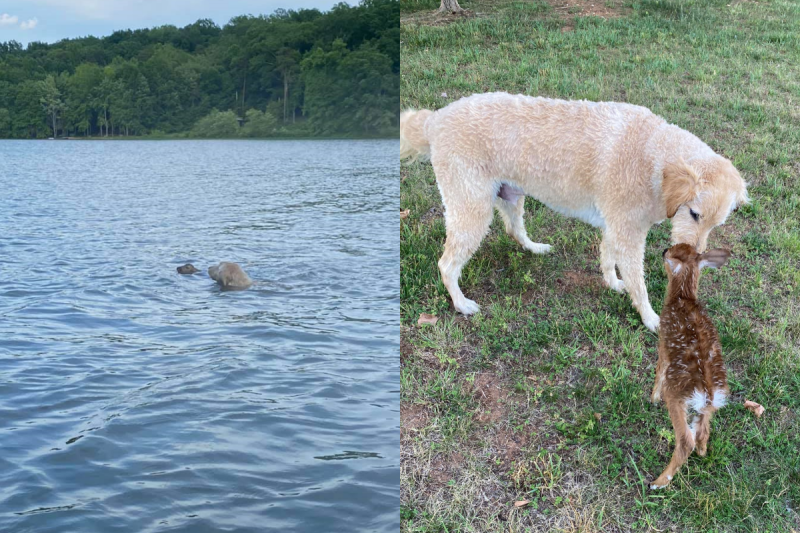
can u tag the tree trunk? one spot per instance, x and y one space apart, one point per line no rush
450 6
244 88
55 133
285 95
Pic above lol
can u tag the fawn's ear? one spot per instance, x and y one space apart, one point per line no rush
713 258
678 186
673 265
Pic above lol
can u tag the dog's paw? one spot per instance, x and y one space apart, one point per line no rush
656 485
652 322
617 285
468 307
539 248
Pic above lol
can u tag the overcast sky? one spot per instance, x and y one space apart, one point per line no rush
52 20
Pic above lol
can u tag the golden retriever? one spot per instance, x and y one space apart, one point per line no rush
616 166
229 276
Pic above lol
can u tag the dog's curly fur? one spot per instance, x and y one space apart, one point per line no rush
229 275
616 166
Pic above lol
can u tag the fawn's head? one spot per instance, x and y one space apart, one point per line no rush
683 265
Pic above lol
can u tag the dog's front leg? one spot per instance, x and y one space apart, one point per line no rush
608 263
629 254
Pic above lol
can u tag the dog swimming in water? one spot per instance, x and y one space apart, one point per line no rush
229 276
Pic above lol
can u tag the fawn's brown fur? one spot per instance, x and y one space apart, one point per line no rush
690 372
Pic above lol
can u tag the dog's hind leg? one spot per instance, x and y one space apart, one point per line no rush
512 212
468 214
608 263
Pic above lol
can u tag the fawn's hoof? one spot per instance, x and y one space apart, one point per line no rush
661 482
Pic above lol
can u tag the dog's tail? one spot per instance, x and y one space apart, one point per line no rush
413 141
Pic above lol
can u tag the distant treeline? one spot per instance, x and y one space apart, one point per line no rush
291 73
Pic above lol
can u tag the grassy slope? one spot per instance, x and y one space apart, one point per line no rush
543 396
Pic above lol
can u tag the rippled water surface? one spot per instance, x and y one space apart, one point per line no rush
136 399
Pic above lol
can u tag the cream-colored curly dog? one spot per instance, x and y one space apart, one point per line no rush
616 166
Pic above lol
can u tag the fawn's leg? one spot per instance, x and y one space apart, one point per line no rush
701 427
661 373
684 443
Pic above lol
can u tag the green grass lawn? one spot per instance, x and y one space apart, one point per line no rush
543 396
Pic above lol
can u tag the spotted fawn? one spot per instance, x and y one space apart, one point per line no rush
690 374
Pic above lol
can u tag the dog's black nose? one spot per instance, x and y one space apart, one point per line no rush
664 252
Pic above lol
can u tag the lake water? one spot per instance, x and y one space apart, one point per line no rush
135 399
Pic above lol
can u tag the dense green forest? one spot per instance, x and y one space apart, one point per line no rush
292 73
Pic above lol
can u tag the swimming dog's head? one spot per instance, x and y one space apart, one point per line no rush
699 196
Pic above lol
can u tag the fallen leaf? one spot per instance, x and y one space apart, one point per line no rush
756 408
404 214
521 503
598 416
425 318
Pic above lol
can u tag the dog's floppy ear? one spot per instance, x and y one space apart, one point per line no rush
738 183
713 258
679 186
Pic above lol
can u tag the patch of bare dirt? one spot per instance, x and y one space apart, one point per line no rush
406 348
576 280
445 467
437 18
413 417
583 8
509 444
487 391
432 214
569 9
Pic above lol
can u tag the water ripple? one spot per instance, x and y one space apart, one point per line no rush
135 399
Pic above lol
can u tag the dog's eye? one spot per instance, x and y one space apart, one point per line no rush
695 214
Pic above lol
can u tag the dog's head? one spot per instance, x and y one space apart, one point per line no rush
699 196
